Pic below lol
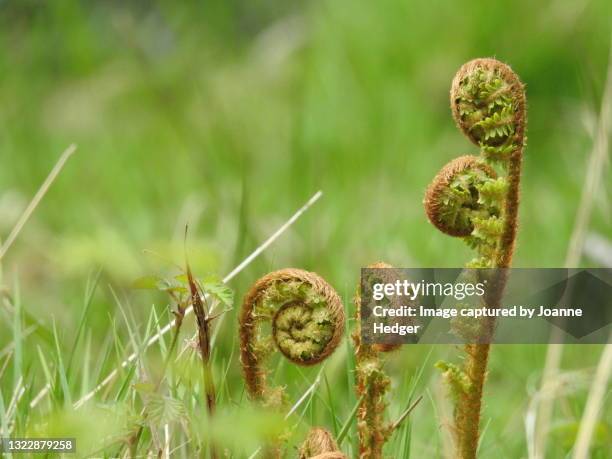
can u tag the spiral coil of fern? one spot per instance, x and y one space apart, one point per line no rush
294 311
489 106
462 200
468 199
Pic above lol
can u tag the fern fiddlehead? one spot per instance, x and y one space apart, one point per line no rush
469 199
294 311
371 386
489 106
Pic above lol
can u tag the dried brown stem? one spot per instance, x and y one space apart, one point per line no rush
203 321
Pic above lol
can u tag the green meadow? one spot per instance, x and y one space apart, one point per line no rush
227 117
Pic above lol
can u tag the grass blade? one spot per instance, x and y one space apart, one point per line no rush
348 422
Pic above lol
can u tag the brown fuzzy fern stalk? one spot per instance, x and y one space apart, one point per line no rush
294 311
371 385
477 198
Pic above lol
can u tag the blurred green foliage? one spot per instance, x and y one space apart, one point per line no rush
229 115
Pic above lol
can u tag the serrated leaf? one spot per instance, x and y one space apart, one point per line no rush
488 229
215 287
492 192
164 410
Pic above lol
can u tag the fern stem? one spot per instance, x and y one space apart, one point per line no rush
489 107
467 417
371 387
508 237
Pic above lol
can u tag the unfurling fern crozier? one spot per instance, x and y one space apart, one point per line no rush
476 198
295 312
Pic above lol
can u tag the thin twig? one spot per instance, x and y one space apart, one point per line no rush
405 414
44 391
166 441
17 394
36 199
305 395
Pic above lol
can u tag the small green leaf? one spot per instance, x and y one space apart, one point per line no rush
176 289
164 409
215 287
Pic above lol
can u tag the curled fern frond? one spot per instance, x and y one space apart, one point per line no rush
468 199
371 386
460 194
294 311
376 347
488 104
320 444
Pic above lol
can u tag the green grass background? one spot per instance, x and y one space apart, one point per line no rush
229 115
